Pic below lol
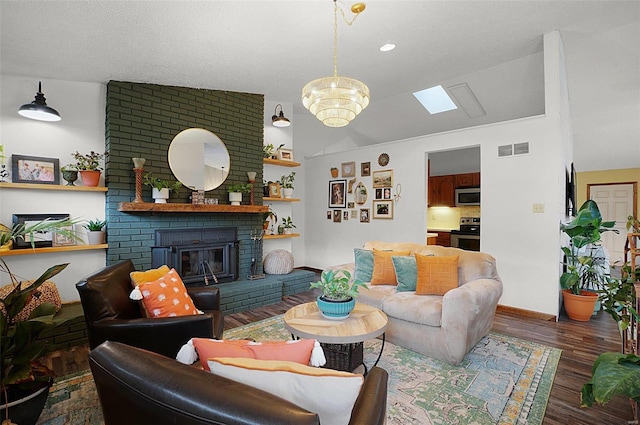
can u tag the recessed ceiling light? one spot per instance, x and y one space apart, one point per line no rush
435 100
387 47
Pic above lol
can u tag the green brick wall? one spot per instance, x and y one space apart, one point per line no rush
141 121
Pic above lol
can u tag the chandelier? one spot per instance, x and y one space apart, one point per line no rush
336 100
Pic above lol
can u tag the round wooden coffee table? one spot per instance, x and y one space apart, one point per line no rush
341 340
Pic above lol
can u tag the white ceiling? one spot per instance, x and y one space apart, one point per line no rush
276 47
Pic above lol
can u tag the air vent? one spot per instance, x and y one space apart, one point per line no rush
505 150
515 149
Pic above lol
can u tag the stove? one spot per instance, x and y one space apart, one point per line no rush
468 236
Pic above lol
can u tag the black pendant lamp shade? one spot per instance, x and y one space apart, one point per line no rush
280 120
38 109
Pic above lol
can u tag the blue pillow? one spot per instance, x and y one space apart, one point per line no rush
406 272
364 264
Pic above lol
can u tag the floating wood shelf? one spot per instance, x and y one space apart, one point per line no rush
174 207
38 186
292 235
52 249
280 162
264 199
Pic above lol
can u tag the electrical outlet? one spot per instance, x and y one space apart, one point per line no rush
538 208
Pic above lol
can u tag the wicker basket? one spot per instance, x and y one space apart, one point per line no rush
345 357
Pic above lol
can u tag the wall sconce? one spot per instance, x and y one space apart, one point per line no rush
38 109
280 120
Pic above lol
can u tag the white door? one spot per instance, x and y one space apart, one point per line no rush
615 202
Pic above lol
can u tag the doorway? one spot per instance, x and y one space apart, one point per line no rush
616 201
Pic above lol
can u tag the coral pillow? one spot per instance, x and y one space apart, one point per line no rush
148 276
436 275
298 351
329 393
383 271
167 297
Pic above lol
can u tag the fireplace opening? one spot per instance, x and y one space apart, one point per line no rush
200 256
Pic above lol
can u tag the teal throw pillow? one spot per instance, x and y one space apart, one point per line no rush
364 264
406 272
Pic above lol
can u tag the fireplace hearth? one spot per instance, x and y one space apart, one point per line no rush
201 256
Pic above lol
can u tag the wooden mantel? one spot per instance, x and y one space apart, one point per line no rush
173 207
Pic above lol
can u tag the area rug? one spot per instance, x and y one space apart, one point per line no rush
503 380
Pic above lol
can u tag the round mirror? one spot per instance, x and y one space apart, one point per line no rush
199 159
361 194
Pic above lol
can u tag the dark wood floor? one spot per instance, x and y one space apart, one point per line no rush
580 342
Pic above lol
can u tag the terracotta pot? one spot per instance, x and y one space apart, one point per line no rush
334 172
579 307
90 178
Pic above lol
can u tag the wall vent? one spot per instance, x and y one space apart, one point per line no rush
515 149
505 150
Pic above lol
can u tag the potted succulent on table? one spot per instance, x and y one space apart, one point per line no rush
236 191
338 293
160 187
89 166
25 383
95 231
286 184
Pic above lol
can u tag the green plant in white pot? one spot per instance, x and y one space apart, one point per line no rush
95 231
286 184
160 188
339 293
236 191
288 225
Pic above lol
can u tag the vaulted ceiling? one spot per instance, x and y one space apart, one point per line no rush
276 47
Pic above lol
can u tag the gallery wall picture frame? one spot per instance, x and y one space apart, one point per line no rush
337 194
364 215
382 178
41 239
35 169
365 169
337 216
329 215
354 214
348 169
383 209
285 154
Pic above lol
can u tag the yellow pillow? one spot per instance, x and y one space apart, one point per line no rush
138 278
383 271
436 275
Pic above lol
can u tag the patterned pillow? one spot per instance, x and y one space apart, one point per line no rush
166 297
436 275
383 272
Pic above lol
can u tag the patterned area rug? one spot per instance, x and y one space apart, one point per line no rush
503 380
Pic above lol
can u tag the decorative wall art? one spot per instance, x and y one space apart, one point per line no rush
354 214
35 169
365 169
351 183
285 154
337 216
364 215
345 215
40 239
386 193
337 194
360 194
383 178
329 215
348 169
383 159
351 205
382 209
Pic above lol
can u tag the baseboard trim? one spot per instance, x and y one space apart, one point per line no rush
526 313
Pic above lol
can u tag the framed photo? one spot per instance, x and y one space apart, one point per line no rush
354 214
337 194
351 205
62 240
35 169
285 154
329 216
40 239
365 169
337 216
383 178
348 169
364 215
386 193
382 209
378 194
345 215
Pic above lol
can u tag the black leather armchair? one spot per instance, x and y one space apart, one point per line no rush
111 315
139 387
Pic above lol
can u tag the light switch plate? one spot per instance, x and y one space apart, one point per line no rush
538 208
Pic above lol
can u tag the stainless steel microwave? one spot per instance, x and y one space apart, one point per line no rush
467 196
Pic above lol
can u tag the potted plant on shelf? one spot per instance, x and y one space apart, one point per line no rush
338 293
287 223
286 184
69 174
89 166
585 272
236 191
270 151
95 231
160 188
25 383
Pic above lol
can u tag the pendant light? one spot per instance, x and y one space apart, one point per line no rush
38 109
279 120
336 100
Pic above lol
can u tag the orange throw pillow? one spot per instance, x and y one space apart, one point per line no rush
167 297
298 351
436 275
383 271
148 276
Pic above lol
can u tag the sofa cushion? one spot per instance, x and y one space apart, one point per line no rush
406 272
383 272
472 265
376 295
436 275
364 264
423 309
167 297
329 393
138 277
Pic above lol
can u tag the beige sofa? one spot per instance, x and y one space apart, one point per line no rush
443 327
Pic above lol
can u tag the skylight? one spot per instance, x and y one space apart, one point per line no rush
435 100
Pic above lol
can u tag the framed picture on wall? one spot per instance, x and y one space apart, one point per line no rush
382 209
337 194
337 216
365 169
35 169
348 169
364 215
383 178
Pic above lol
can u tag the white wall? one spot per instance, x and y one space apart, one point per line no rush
82 107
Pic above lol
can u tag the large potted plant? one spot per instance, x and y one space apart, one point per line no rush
89 166
160 188
585 272
338 293
25 382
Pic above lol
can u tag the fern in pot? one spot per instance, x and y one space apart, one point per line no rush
339 293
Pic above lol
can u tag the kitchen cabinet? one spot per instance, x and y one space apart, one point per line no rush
441 191
443 238
467 180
